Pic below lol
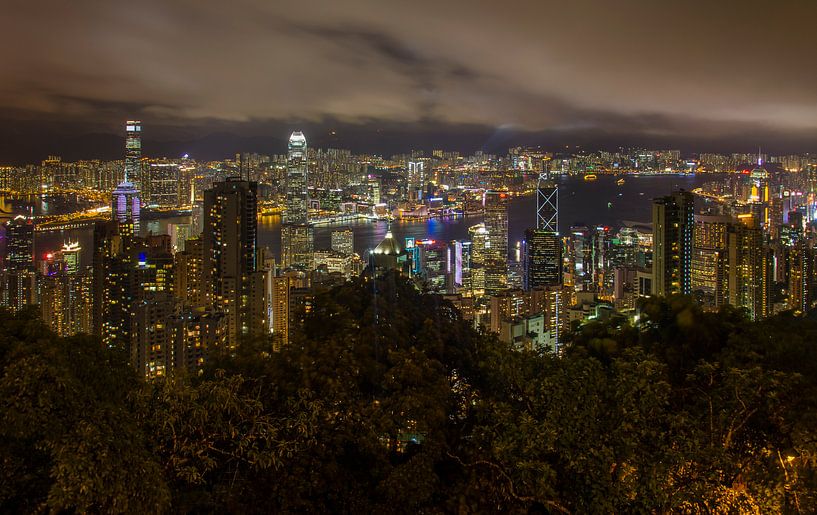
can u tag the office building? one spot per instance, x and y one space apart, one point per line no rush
478 259
343 241
20 244
543 258
495 218
162 186
296 234
133 153
126 203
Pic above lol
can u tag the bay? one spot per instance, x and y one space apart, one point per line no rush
591 203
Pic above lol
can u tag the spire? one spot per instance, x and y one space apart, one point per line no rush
759 159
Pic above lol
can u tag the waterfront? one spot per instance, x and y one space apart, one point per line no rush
600 202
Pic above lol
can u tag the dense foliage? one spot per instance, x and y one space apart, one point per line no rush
386 401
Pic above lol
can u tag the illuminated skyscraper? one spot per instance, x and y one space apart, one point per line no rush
66 299
495 206
162 186
710 258
749 268
416 179
126 202
543 258
229 244
673 222
19 288
20 244
133 152
296 233
477 259
580 256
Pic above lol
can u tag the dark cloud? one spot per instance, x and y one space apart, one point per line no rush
694 71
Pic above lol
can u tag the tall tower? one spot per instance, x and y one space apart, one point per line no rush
229 244
495 205
296 234
297 192
543 246
126 202
673 221
133 152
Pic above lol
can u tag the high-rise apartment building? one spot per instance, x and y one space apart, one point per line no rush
673 226
229 247
750 268
710 259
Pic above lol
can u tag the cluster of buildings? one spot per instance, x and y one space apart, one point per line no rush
173 299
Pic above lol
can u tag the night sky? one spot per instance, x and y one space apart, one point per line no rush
212 77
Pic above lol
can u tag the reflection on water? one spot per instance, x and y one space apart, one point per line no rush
588 203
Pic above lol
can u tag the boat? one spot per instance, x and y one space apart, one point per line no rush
620 182
590 177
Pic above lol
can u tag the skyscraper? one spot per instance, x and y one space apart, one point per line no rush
296 233
673 222
19 288
477 258
20 244
495 206
133 151
710 259
543 258
126 203
229 243
750 275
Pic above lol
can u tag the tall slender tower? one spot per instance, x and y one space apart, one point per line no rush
126 203
296 233
543 246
